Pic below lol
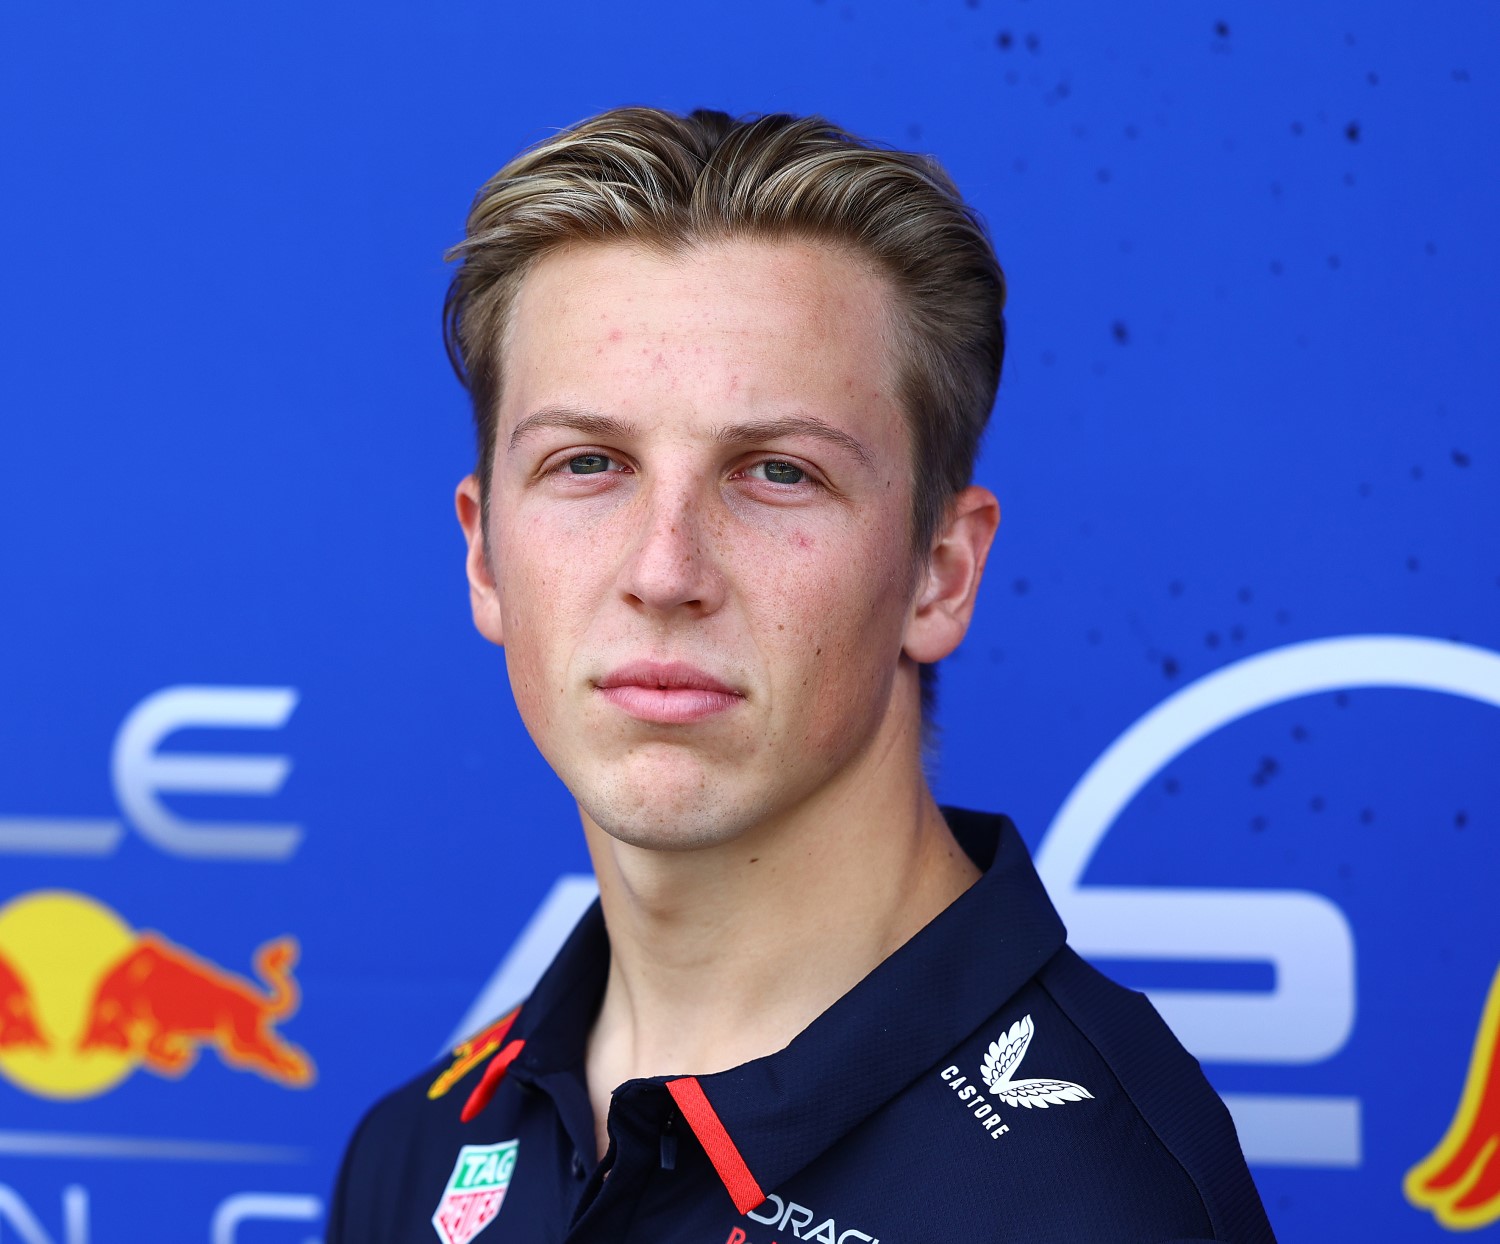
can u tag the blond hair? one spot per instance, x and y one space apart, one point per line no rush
655 178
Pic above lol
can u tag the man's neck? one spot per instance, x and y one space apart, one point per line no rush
723 955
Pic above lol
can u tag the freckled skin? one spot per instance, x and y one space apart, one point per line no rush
798 597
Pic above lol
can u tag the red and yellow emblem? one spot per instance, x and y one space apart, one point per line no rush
472 1052
85 1000
1459 1181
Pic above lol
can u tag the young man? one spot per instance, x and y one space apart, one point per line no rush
729 380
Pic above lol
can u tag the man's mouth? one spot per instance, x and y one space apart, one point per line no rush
667 693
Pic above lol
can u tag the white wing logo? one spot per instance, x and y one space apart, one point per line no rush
1000 1065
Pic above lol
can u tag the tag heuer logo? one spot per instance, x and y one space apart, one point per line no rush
475 1189
1004 1058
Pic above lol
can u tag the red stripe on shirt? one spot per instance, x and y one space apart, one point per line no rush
490 1081
709 1129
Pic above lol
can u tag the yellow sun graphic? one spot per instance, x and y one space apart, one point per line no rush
59 944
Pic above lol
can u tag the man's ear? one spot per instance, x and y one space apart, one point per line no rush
484 598
949 582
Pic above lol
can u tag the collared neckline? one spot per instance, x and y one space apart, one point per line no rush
922 1001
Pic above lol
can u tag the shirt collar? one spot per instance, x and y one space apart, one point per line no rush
782 1111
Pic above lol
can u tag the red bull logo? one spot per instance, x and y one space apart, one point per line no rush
85 1000
1459 1181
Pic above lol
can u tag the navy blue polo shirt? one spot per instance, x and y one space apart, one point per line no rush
983 1083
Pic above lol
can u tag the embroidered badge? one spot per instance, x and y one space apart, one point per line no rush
475 1190
999 1068
471 1053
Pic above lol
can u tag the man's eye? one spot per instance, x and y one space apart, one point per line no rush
588 464
780 472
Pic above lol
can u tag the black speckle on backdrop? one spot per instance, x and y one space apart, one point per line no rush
1460 459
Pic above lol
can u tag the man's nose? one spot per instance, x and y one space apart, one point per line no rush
673 564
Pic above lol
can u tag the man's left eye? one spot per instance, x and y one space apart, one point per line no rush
780 472
588 464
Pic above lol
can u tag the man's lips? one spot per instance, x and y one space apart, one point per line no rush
669 693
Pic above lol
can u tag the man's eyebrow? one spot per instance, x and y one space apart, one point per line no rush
792 425
603 427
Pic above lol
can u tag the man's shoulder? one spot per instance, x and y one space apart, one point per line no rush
402 1133
1164 1087
1069 1112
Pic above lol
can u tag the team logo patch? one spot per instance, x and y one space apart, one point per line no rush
475 1190
1000 1065
471 1053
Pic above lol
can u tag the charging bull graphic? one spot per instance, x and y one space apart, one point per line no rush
18 1024
163 1002
1459 1181
86 1000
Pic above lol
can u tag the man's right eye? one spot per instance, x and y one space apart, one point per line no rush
588 464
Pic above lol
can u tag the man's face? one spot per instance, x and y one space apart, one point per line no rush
699 529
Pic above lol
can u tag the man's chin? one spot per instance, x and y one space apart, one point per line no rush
663 816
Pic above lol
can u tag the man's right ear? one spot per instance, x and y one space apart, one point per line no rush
484 597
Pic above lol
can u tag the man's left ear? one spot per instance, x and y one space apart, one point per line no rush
950 580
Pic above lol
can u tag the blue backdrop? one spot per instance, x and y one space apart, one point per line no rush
1246 421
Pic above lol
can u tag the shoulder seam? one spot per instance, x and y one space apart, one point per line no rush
1130 1097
